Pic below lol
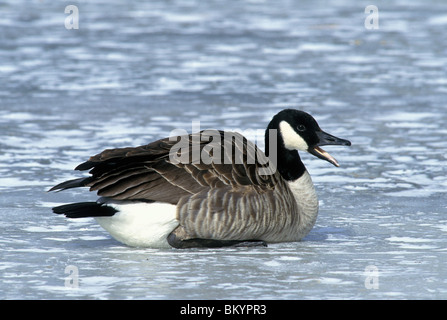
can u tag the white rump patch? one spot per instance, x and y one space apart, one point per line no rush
141 224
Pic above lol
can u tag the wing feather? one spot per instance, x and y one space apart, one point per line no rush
147 173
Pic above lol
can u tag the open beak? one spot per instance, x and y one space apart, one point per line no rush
327 139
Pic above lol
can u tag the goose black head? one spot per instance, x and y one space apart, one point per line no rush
298 130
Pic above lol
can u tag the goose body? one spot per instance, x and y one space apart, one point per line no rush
207 189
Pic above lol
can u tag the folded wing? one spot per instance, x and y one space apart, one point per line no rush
169 169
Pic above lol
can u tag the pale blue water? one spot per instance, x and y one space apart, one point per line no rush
136 70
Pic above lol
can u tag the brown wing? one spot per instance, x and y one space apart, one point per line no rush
169 169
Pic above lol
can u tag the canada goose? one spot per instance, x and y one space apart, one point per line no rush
149 198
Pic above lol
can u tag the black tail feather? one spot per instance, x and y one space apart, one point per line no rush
86 165
85 210
75 183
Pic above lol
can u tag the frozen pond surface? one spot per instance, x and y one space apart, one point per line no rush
135 70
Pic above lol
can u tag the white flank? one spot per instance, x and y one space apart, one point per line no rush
141 224
292 140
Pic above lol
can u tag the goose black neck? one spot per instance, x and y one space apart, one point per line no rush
288 162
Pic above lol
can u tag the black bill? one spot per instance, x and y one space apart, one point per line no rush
327 139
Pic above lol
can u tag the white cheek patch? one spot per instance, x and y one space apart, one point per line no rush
292 140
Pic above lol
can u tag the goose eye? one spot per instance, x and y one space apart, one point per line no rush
301 127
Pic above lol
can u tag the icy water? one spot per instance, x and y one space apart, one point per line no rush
135 70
